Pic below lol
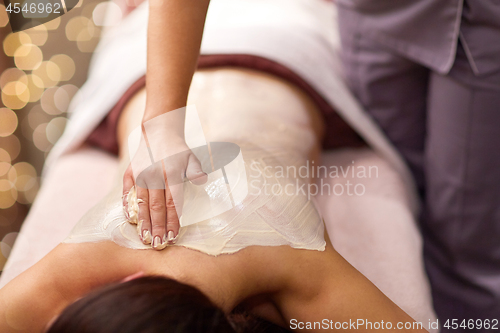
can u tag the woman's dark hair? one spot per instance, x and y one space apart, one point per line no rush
152 305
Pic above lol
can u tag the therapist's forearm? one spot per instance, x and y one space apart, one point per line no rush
175 30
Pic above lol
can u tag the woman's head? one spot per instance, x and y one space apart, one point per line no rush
148 305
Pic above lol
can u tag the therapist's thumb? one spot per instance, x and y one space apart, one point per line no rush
128 183
194 171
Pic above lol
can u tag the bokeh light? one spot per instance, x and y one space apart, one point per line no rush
55 129
25 172
28 57
83 30
37 116
13 41
15 95
87 46
55 100
40 138
12 74
38 34
5 185
66 66
61 99
4 156
47 63
9 122
47 101
12 174
4 168
53 71
28 196
35 87
26 182
8 198
71 90
8 192
79 28
107 13
15 87
7 243
49 73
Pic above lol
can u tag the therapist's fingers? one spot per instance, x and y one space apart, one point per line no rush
157 211
128 183
173 201
144 224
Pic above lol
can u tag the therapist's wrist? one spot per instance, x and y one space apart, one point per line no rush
158 110
165 126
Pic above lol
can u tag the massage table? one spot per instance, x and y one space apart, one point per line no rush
376 232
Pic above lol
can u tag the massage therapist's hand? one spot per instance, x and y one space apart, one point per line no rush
159 185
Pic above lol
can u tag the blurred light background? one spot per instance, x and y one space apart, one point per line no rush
41 69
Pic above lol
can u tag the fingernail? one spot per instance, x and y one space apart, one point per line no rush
159 244
156 242
170 237
146 237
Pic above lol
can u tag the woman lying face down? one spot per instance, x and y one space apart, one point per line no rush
278 283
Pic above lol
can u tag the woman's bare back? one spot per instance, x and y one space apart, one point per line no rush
277 282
